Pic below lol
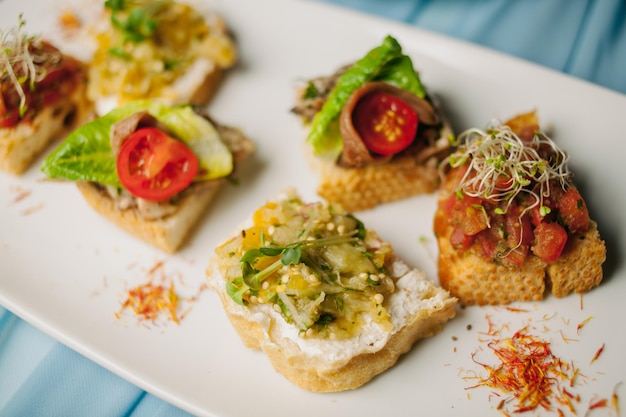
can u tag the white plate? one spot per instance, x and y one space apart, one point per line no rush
65 269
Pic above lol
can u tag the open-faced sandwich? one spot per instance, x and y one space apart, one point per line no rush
510 221
150 168
42 97
326 299
164 50
376 134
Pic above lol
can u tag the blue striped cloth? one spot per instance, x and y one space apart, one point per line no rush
585 38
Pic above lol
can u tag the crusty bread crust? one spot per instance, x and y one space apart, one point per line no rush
22 144
476 280
579 268
170 232
260 327
204 91
365 187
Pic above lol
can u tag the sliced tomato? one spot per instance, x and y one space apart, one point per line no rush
153 166
550 239
386 123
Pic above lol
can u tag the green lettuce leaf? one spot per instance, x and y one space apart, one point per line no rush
383 63
86 154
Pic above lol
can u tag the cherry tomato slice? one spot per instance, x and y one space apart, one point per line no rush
153 166
386 124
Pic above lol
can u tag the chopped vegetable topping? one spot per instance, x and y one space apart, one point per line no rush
317 265
151 44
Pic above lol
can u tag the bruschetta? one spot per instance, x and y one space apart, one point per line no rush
42 97
164 50
375 134
324 297
150 168
510 223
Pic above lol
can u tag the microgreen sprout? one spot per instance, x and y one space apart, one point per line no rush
502 165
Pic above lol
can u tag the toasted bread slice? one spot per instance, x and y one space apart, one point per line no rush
324 362
22 144
476 280
169 231
365 187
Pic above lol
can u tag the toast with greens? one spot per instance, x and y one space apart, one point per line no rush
375 133
151 169
324 297
510 222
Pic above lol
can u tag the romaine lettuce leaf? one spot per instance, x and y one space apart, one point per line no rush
86 154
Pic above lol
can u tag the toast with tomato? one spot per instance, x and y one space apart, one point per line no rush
325 298
42 97
375 135
510 222
166 50
151 169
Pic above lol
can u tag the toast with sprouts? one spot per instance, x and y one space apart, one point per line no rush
151 169
325 298
42 97
510 223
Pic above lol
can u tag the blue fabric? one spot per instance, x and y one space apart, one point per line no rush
584 38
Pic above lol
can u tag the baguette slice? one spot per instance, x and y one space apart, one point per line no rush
170 231
416 308
21 144
476 279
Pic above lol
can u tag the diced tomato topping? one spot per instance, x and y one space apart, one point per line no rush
487 244
460 240
470 215
550 239
573 211
448 204
454 177
9 118
515 257
518 228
